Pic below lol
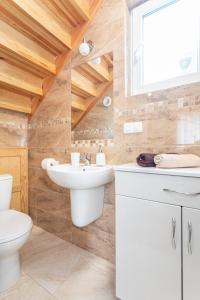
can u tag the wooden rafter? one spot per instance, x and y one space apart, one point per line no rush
35 11
37 38
82 7
76 106
78 103
82 84
21 103
98 76
18 80
96 72
92 102
10 14
109 59
19 48
77 37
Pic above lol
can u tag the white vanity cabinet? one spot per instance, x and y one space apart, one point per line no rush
191 253
157 234
148 253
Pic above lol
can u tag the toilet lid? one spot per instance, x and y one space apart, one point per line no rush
13 224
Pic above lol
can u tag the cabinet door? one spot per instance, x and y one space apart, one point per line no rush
14 161
148 250
191 254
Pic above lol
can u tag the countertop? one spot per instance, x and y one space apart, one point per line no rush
188 172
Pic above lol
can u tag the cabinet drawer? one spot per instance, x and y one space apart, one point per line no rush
177 190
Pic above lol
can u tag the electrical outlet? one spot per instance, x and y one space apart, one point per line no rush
133 127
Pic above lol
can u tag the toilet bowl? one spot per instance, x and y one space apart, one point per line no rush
15 228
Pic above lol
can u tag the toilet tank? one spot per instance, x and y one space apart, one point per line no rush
5 191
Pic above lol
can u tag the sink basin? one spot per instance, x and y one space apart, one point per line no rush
84 177
86 184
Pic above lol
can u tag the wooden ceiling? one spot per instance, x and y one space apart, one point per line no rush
37 37
89 83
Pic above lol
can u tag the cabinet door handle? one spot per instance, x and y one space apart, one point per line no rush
189 244
174 233
182 193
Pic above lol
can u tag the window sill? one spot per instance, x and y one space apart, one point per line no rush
172 83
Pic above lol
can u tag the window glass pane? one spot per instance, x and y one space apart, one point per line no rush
171 41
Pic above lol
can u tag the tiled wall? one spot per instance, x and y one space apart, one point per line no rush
49 135
171 121
98 123
13 129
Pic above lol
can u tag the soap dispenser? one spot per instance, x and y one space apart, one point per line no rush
100 157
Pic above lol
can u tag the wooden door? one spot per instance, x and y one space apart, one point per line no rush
148 250
14 161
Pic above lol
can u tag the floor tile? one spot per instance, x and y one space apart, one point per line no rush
26 289
89 280
56 269
40 241
51 267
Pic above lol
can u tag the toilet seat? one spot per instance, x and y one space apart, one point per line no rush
13 224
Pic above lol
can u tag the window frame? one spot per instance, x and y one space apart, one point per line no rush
136 69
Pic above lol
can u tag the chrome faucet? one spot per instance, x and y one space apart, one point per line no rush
87 158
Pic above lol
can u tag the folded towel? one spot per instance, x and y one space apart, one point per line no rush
176 161
146 160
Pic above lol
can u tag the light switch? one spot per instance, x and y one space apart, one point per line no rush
133 127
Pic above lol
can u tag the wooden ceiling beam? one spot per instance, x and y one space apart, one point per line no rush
102 89
77 37
34 105
36 12
109 59
58 9
82 7
16 102
82 84
10 14
13 78
75 117
17 61
77 106
89 71
69 14
37 38
100 71
17 47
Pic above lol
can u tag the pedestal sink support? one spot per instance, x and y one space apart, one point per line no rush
86 205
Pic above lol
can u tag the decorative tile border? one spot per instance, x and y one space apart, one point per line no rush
50 123
159 106
93 133
35 125
13 125
93 143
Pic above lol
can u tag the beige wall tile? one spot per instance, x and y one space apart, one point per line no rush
13 129
170 118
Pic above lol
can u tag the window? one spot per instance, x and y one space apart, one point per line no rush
165 45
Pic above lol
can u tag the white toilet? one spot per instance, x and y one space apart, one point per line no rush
15 228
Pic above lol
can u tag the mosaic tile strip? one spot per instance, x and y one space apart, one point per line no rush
93 133
93 143
13 125
50 123
159 106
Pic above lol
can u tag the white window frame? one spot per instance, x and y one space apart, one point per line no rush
136 69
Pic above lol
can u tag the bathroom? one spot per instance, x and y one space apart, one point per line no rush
59 259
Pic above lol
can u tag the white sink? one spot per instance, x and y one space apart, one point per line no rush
84 177
86 184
